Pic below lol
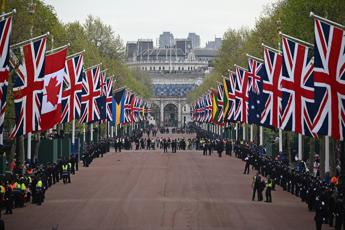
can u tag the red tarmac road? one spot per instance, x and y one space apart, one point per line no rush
150 190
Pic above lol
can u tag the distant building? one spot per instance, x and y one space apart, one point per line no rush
195 40
144 44
166 39
174 71
131 50
216 44
184 44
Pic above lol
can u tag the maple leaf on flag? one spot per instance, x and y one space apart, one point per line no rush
53 89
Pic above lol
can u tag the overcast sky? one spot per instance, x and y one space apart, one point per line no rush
133 19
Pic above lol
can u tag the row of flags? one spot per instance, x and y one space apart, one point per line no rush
292 89
51 88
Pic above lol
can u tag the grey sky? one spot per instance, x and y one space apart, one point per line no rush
134 19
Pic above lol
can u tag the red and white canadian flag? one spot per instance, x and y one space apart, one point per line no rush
53 81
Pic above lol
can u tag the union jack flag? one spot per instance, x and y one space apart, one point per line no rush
109 99
220 104
5 31
128 107
242 98
297 88
73 88
199 109
231 95
28 86
136 109
256 72
91 96
271 93
329 79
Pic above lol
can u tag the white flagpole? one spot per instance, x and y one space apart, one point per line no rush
280 140
236 133
115 130
251 133
91 132
326 153
112 131
261 135
244 131
84 131
73 135
1 139
300 145
29 146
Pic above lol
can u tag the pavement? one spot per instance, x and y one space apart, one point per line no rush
149 190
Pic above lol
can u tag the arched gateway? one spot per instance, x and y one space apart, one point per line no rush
171 115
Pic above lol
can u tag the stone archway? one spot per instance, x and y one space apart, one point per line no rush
155 113
171 115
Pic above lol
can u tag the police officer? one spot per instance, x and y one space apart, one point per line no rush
65 173
269 185
39 191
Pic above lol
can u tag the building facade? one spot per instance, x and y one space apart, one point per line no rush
173 72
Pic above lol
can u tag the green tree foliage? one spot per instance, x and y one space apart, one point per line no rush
99 41
288 16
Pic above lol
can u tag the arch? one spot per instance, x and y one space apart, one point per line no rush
155 113
171 115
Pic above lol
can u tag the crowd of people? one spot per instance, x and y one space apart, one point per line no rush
324 196
28 182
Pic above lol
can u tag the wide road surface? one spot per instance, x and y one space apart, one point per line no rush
151 190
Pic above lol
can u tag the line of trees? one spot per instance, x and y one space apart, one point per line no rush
290 17
99 40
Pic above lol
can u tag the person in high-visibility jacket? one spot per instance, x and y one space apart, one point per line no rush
39 191
64 173
23 192
2 197
269 185
17 193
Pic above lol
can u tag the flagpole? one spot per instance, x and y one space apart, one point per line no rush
91 132
8 14
29 146
29 40
261 135
84 132
244 132
115 130
73 55
236 133
58 48
280 140
327 20
300 145
251 132
326 154
112 131
73 136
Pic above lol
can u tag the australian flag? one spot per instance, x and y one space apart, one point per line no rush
256 72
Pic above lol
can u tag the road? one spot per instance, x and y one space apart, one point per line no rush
147 190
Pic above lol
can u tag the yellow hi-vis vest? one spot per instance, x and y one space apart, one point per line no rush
64 168
269 184
23 187
39 184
